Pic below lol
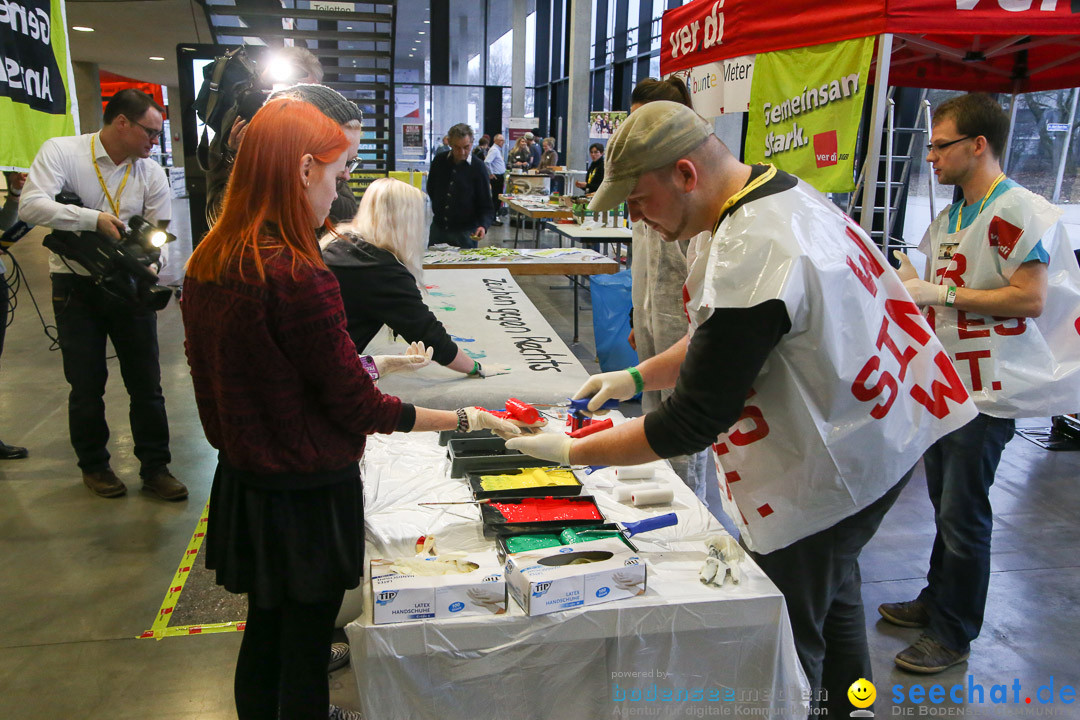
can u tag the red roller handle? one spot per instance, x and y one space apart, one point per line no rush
595 427
522 412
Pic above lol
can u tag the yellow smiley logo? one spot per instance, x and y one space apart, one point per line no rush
862 693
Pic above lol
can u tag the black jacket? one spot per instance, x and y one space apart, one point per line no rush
460 194
378 290
594 176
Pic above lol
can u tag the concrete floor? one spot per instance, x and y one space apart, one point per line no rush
83 576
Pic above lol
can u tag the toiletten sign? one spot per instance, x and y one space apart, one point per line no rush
35 76
805 106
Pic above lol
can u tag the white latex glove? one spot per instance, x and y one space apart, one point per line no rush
390 364
629 581
490 369
553 446
483 420
605 386
906 271
924 293
489 597
418 348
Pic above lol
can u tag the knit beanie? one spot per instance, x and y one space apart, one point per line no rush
330 102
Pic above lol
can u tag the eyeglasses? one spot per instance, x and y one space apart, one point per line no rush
150 132
938 147
352 165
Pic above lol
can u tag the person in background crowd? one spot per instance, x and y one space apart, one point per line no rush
9 215
496 164
520 155
481 150
595 174
287 402
332 104
460 191
114 177
806 501
974 278
534 150
549 158
659 273
443 148
377 259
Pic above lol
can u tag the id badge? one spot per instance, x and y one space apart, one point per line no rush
946 250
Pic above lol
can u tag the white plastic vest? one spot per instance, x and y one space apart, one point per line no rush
850 398
1014 367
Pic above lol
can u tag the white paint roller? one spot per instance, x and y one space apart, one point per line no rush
652 496
635 472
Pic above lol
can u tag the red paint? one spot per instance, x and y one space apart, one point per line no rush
522 412
593 427
547 510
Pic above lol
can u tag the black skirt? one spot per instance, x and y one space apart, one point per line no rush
304 545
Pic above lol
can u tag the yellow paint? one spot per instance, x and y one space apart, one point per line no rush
528 478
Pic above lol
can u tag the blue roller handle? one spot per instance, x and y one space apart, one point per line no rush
648 524
583 404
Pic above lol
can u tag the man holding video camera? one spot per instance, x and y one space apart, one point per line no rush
111 173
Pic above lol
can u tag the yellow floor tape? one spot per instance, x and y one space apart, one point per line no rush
160 629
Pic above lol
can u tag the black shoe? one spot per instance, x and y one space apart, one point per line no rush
927 656
340 713
12 452
164 485
104 483
497 223
339 656
910 613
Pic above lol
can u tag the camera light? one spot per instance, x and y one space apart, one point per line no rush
158 239
281 70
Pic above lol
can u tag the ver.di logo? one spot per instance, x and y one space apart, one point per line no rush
862 694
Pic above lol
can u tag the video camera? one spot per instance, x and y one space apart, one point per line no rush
119 267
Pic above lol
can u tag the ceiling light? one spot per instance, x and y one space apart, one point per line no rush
155 57
422 32
427 22
82 28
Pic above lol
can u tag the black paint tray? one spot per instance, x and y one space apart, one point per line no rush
480 493
489 454
495 524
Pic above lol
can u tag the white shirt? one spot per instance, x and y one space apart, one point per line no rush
65 164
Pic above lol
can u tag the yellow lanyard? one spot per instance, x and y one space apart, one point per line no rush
763 178
960 214
114 204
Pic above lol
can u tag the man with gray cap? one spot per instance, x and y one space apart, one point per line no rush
333 105
807 369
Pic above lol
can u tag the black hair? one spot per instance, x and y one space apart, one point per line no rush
130 103
597 146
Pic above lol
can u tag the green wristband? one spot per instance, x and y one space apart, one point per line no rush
639 382
476 369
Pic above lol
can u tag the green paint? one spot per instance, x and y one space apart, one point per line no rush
523 543
448 308
569 536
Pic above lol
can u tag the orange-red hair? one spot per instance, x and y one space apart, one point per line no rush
265 203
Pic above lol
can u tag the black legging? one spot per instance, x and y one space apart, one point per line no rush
281 670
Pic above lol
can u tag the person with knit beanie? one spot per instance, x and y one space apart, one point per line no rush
332 104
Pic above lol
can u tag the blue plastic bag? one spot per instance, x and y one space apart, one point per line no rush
611 303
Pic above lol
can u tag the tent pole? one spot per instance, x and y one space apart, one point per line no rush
1008 138
872 162
1065 150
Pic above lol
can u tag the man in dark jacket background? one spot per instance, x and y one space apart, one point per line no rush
460 192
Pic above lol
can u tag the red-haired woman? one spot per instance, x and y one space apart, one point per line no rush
284 398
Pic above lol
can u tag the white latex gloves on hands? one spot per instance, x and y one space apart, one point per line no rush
490 370
416 356
605 386
483 420
553 446
906 271
922 292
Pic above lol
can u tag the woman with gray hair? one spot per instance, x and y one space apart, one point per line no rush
378 263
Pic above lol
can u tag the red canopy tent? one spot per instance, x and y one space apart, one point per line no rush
1008 46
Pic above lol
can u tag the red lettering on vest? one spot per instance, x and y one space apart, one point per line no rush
954 271
973 357
936 400
863 393
685 302
963 323
931 317
765 510
869 269
1002 328
903 313
903 357
758 431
